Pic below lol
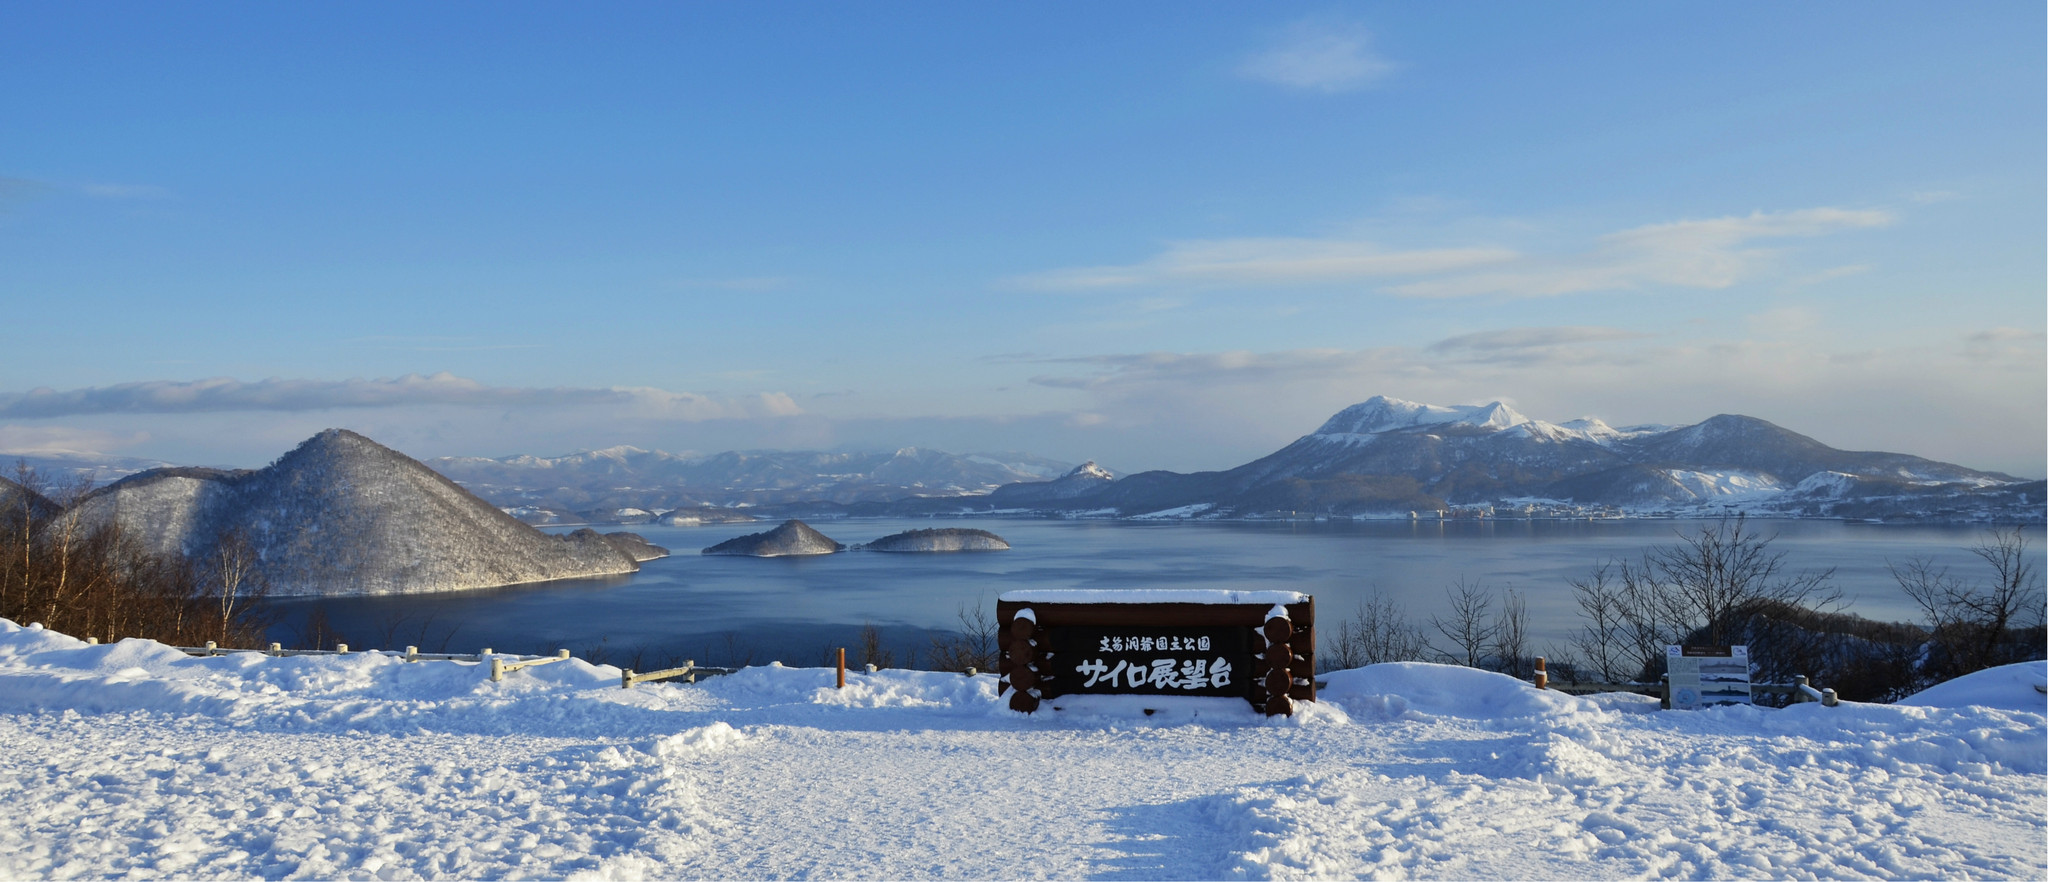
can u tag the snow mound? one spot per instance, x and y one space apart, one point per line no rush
1445 691
2007 687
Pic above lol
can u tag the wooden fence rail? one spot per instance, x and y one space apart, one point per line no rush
499 668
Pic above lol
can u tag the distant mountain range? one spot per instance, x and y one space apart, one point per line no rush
631 485
341 514
1387 456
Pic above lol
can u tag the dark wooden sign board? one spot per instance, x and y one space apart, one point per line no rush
1051 649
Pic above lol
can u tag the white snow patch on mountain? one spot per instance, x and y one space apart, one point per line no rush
1380 414
1725 483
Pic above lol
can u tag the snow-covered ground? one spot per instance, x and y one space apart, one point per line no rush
132 759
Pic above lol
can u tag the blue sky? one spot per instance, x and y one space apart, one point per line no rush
1160 235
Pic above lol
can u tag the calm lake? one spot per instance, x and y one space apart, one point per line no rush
720 610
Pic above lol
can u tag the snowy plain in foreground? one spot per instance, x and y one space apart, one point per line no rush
132 759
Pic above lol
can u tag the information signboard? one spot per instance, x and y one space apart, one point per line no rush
1707 675
1258 646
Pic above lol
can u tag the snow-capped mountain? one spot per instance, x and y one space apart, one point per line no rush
599 485
1085 478
341 514
1387 455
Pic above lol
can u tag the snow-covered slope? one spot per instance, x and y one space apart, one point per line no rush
131 759
341 514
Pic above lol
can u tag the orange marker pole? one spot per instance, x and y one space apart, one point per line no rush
842 667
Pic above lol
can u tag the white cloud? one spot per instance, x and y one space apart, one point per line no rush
59 440
1267 261
1706 253
223 394
1318 55
1524 339
1710 253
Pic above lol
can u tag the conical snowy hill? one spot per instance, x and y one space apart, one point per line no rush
341 514
792 538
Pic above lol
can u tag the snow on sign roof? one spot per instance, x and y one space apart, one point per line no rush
1150 595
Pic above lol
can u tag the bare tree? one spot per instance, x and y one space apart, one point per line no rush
1470 627
1707 580
1511 635
1974 624
233 575
1379 632
1601 646
872 651
974 646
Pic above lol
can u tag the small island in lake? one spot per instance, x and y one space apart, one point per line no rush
945 539
794 537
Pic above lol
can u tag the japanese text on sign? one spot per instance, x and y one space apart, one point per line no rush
1161 673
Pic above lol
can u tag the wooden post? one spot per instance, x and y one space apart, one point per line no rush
1276 665
842 667
497 669
276 649
341 648
1542 674
412 653
1019 661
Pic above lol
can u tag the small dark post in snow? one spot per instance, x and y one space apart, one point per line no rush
1542 674
842 667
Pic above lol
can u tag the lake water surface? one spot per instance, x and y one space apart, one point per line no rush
718 609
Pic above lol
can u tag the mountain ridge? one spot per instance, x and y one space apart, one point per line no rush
1388 456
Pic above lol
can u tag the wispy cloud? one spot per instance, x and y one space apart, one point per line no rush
227 395
1710 253
2020 346
1267 261
1522 340
1318 55
53 440
1704 253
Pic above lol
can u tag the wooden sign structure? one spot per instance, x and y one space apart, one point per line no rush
1255 645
